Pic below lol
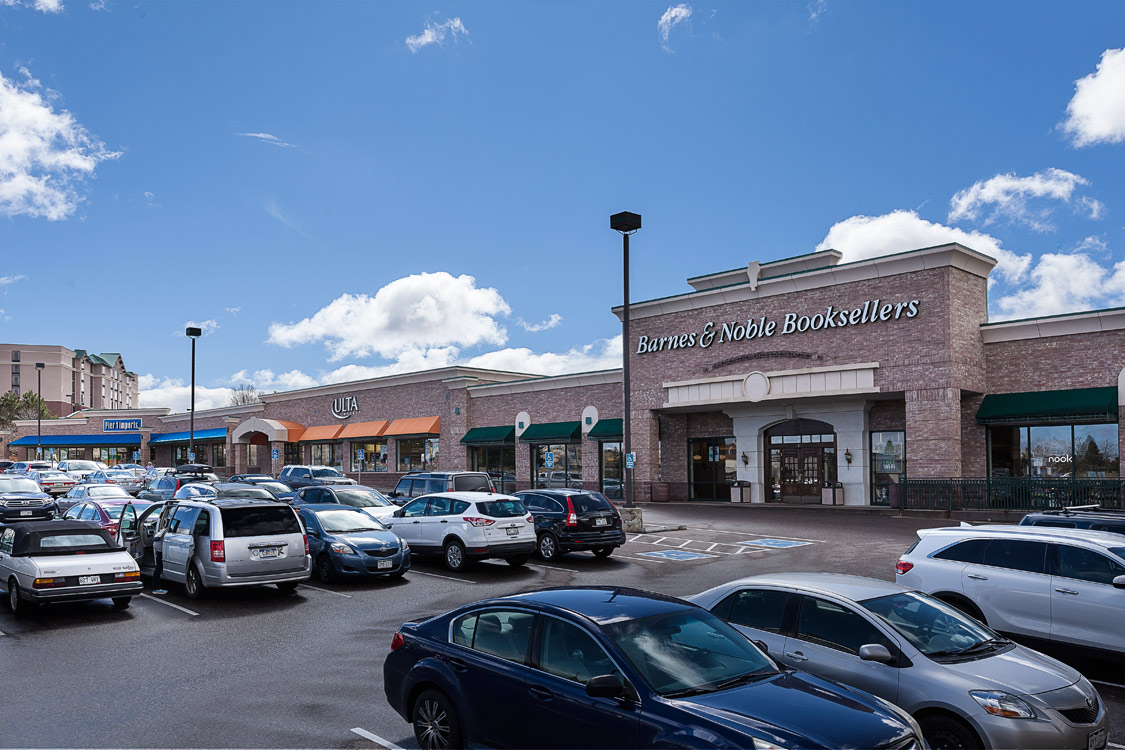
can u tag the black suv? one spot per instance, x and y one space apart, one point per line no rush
304 475
568 520
416 484
1079 517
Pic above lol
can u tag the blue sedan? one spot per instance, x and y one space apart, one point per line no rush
345 541
612 667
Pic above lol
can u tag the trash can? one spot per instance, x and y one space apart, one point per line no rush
738 491
832 494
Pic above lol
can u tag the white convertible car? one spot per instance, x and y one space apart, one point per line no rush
64 561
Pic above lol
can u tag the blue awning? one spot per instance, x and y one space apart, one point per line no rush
69 440
219 433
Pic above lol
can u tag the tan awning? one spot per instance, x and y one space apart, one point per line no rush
415 426
321 432
364 429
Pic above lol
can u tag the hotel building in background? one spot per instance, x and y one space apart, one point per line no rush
73 379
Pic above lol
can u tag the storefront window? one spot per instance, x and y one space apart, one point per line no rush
713 468
1054 451
374 456
888 465
1095 451
613 478
1051 451
567 469
252 458
328 454
219 454
1008 451
293 454
418 454
499 461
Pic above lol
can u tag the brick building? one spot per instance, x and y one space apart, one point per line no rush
792 377
72 379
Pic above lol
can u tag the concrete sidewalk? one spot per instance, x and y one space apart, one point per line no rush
976 516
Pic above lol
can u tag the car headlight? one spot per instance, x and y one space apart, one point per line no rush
999 703
760 744
343 549
405 545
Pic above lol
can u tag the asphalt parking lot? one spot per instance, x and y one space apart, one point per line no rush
256 668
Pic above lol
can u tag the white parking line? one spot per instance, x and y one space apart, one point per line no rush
640 559
550 567
1111 684
169 604
2 634
1115 745
435 575
326 591
376 738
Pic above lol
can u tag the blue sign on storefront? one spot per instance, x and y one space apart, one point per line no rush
120 425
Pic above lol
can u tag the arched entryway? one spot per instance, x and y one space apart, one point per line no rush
801 460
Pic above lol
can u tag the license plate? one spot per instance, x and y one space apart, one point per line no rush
513 532
383 564
88 580
25 512
1097 740
268 552
601 522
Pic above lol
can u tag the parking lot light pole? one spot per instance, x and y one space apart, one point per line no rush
193 334
39 409
626 223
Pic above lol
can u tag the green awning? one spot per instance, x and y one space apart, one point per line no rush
608 429
483 435
1046 407
552 432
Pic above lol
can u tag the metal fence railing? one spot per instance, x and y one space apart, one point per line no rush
1009 493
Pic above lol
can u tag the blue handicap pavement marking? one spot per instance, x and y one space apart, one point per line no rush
774 543
675 554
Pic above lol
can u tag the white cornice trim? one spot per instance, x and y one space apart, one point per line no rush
555 382
409 378
222 411
1057 325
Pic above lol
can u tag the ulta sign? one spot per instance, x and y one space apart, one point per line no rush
872 311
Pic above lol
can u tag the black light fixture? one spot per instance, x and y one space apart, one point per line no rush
39 409
848 456
626 223
192 333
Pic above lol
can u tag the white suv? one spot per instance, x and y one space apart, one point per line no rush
466 526
1044 584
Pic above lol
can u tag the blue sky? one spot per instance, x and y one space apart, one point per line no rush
347 189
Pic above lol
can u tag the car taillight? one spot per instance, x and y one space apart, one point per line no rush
306 538
218 551
131 575
48 583
902 566
112 527
571 516
476 521
530 518
397 641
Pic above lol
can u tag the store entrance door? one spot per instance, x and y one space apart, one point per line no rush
801 478
802 460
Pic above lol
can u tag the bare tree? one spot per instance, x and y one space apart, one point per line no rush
244 394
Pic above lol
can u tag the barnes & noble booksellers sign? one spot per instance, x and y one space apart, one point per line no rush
872 311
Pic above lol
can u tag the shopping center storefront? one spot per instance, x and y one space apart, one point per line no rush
803 380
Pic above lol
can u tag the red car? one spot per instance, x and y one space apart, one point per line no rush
104 513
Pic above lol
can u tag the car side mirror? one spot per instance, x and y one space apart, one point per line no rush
761 645
875 652
397 513
1119 582
605 686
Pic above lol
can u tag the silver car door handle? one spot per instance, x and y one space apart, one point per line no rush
1067 591
975 577
796 656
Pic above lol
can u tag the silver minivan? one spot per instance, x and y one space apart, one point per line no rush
219 544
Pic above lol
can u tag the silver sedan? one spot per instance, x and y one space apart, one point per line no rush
122 478
966 685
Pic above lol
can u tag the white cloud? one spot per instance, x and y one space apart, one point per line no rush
816 7
415 313
1066 282
1096 114
863 237
233 310
551 322
98 5
676 14
1009 196
434 33
150 199
45 6
1093 207
604 354
275 211
6 280
269 138
208 326
44 154
266 380
172 392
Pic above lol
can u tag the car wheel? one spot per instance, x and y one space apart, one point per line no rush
603 552
517 561
455 556
548 547
966 606
436 725
15 601
121 602
193 587
288 587
324 569
947 733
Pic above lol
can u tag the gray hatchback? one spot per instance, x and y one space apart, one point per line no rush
967 686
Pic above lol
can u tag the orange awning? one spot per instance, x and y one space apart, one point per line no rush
364 429
322 432
296 429
415 426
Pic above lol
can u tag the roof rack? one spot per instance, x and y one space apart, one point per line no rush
1072 510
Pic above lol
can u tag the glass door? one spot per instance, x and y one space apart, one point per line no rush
713 468
888 465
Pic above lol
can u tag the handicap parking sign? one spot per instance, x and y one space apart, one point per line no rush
549 459
359 454
630 460
191 458
274 454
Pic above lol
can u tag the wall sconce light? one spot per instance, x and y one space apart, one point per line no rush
848 456
745 459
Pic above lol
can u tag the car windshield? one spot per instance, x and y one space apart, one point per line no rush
362 498
52 475
119 473
263 520
590 502
254 492
106 492
344 521
932 627
502 508
326 472
274 487
114 511
1119 551
81 466
19 485
471 483
689 652
195 490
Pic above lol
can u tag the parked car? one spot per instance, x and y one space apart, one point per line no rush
967 686
280 490
82 492
570 520
241 489
616 668
220 544
195 491
370 501
5 465
126 480
309 476
22 499
105 514
248 477
52 481
165 487
138 470
22 467
78 469
1083 517
345 541
64 561
416 484
466 526
1046 586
